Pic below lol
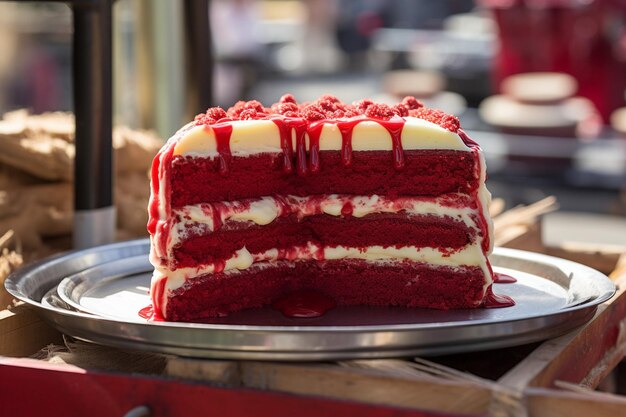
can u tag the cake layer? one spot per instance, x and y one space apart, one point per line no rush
386 229
470 255
425 173
353 282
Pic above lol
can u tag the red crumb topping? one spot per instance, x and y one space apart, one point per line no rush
411 103
211 116
328 107
438 117
379 111
288 98
243 110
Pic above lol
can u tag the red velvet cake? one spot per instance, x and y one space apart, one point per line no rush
366 204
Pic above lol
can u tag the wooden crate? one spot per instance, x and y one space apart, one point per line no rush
540 384
555 378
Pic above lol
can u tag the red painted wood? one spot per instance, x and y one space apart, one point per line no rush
28 388
592 344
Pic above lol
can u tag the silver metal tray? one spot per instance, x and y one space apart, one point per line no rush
95 295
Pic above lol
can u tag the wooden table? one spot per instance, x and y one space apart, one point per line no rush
555 378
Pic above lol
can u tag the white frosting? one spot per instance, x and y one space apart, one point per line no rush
248 137
155 250
262 136
484 197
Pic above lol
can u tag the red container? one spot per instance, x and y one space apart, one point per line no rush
586 39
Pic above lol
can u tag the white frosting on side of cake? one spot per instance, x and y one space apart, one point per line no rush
261 212
484 197
262 136
155 250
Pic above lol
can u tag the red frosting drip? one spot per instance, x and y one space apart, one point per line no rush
285 207
500 278
315 131
395 130
285 144
155 223
154 203
497 301
222 141
157 298
149 314
347 209
346 141
217 215
466 139
301 159
492 300
305 304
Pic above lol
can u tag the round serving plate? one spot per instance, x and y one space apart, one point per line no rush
96 294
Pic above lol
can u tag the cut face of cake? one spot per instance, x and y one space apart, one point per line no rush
366 203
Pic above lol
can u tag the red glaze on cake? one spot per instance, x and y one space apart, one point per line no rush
359 203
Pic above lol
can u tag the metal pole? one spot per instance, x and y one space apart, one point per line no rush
94 218
198 56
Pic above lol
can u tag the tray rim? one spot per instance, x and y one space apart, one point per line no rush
74 280
11 287
96 329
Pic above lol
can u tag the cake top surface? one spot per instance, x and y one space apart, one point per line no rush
327 108
327 123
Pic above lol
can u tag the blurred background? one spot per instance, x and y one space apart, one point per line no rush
539 83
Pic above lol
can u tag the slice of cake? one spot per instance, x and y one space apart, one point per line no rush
365 204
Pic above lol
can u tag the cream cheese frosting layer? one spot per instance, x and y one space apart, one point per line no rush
264 210
263 136
470 255
484 200
200 219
